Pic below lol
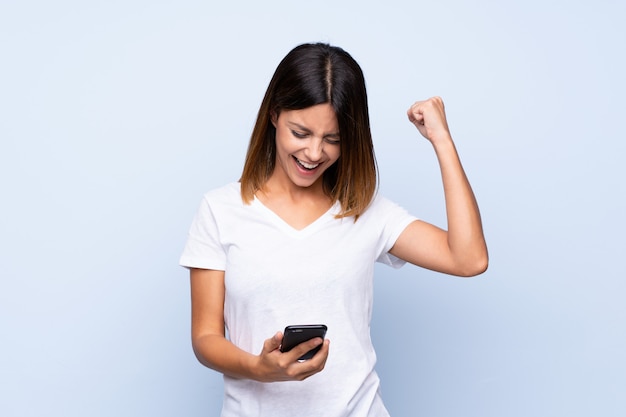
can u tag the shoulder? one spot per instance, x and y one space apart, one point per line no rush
226 194
387 215
221 201
381 205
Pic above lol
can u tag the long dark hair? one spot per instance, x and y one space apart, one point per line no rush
311 74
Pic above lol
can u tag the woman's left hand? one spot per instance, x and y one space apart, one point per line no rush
429 116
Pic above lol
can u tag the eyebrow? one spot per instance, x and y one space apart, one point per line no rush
307 130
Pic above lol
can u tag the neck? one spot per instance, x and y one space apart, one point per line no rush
278 186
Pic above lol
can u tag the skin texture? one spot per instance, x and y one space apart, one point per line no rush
296 194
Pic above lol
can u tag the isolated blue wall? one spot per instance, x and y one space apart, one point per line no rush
115 118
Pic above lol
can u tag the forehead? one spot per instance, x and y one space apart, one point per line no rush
320 117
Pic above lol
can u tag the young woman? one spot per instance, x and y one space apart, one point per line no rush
295 242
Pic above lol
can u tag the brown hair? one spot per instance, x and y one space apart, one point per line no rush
308 75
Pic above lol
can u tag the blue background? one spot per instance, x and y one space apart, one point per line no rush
116 116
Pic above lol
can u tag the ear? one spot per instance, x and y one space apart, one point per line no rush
274 117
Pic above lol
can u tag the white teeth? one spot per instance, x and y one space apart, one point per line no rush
307 166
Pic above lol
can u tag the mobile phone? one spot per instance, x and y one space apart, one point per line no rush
294 335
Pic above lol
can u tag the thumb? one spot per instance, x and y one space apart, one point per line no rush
274 342
415 117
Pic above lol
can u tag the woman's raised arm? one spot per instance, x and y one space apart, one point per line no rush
461 250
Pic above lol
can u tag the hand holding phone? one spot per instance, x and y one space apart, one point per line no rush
294 335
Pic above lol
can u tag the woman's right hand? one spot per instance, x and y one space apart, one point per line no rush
273 365
216 352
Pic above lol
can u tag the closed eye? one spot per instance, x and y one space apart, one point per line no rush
299 135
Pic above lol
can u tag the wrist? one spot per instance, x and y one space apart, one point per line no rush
442 142
252 366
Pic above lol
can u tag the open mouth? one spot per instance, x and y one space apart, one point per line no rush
304 165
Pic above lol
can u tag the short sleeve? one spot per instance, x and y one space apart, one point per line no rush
396 220
203 248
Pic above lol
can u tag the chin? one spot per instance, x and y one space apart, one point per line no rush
304 183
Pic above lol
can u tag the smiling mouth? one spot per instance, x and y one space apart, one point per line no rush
304 165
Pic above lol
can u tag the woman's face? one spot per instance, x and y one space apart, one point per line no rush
307 143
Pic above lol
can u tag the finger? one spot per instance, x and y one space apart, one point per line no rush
273 342
416 112
322 354
315 364
417 119
304 347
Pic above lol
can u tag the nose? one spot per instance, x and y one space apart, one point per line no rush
315 149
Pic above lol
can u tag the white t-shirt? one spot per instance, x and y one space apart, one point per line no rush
276 276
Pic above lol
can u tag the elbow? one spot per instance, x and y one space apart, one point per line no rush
200 346
476 270
478 265
198 353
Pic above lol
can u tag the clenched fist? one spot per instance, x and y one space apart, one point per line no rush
429 116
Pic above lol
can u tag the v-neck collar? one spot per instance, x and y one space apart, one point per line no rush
309 229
